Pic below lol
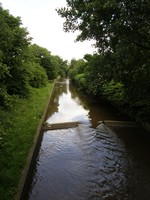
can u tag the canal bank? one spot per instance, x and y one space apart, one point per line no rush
28 169
85 163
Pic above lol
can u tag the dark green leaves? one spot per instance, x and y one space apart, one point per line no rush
22 65
121 29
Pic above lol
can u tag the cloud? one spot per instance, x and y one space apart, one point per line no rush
46 27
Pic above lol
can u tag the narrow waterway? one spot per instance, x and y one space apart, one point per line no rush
86 163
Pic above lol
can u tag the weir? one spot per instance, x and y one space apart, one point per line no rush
113 123
55 126
107 123
80 157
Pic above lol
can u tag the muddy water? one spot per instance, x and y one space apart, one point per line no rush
86 163
68 104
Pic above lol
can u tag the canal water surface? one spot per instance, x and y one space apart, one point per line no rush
85 163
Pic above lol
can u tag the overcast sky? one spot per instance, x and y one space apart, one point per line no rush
46 27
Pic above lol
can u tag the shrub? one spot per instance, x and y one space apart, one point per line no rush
37 75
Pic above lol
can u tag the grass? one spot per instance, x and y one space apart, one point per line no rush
18 127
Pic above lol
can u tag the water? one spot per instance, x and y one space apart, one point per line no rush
86 163
67 104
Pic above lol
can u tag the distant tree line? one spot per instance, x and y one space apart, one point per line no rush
121 69
23 65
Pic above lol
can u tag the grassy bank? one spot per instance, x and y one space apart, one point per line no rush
18 127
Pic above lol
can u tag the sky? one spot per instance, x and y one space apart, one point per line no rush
46 27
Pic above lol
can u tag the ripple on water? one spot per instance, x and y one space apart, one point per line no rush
83 164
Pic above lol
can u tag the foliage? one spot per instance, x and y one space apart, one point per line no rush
22 65
14 42
22 72
92 72
37 75
114 91
109 22
80 80
17 129
76 67
52 64
121 32
62 66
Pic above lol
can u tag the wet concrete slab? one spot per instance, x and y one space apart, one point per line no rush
56 126
114 123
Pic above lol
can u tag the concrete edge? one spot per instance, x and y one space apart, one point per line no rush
115 123
63 125
23 183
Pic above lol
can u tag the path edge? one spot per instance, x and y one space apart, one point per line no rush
26 172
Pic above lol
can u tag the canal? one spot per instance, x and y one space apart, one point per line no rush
86 163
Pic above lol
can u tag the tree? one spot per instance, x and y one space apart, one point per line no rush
109 22
53 65
121 31
44 58
37 75
62 66
14 41
23 65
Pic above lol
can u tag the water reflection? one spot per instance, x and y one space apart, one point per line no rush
59 89
68 104
85 163
68 109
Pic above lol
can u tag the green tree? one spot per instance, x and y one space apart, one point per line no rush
45 59
53 65
37 75
119 27
14 41
121 32
76 67
62 66
109 22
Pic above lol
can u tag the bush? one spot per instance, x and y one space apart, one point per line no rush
37 75
80 81
114 91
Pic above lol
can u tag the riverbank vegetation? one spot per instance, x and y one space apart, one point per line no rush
120 69
18 126
27 72
23 66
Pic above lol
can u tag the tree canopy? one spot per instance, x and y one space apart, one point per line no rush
23 65
109 22
120 29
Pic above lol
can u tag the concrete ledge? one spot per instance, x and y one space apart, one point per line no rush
27 171
112 123
63 125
